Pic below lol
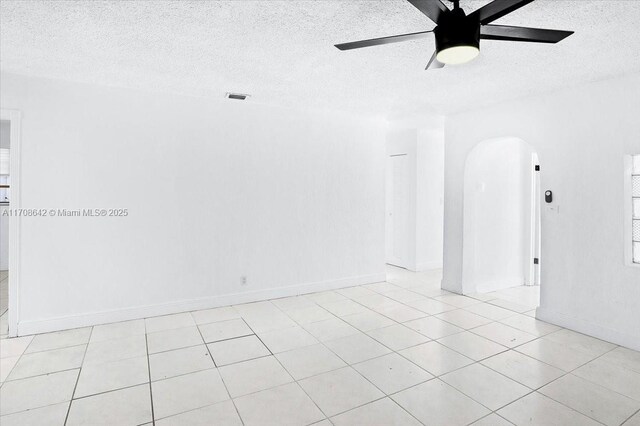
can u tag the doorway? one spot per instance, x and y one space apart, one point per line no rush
501 232
397 206
5 197
9 223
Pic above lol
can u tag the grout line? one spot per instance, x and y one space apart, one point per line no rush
362 405
146 342
351 366
42 374
218 371
386 395
86 348
502 417
176 349
225 339
42 406
491 413
630 417
51 350
110 390
571 372
173 377
33 335
404 409
536 390
294 380
189 410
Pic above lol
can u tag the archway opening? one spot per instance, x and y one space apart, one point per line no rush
501 235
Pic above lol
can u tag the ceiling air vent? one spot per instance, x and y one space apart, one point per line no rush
238 96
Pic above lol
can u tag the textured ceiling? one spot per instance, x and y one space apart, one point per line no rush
282 52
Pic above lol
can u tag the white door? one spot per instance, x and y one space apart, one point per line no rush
397 210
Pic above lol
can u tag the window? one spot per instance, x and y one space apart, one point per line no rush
635 206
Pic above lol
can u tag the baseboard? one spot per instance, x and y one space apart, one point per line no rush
589 328
425 266
474 288
495 285
104 317
450 287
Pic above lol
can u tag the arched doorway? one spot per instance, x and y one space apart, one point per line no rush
501 233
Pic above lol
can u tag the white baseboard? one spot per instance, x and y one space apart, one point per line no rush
481 287
137 312
425 266
451 287
585 327
495 285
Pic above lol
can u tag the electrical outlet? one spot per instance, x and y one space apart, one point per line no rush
243 280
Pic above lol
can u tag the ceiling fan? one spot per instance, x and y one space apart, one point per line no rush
458 35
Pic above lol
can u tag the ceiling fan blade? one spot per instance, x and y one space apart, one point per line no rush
434 63
535 35
382 40
432 8
497 9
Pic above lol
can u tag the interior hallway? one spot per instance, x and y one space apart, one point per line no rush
401 352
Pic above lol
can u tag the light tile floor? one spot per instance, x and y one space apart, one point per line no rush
402 352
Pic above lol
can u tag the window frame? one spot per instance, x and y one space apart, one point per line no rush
628 211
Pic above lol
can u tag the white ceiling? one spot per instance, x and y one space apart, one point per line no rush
282 52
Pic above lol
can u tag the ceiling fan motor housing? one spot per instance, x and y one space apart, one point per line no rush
456 29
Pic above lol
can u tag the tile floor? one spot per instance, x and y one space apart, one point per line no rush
401 352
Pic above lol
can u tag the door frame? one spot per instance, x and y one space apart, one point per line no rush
15 118
390 259
534 269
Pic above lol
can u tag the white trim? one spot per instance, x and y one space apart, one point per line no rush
425 266
103 317
630 341
14 222
530 280
534 237
495 285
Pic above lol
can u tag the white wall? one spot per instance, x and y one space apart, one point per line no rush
497 215
430 198
422 139
5 145
401 223
215 189
581 136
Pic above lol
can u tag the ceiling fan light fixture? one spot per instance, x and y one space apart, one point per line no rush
457 39
458 54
